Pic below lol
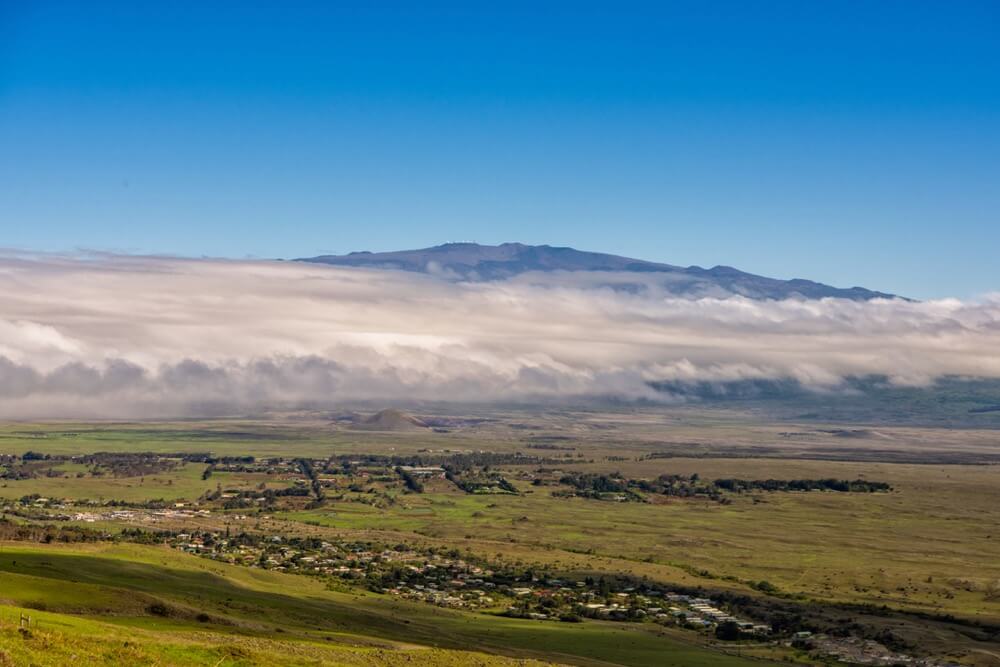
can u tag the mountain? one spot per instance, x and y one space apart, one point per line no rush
474 262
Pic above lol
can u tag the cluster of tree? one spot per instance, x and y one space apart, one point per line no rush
597 483
220 460
829 484
127 464
186 457
306 466
141 536
411 482
45 534
18 472
152 504
458 462
30 465
478 480
241 499
193 457
680 486
600 486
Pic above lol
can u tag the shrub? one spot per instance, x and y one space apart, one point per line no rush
158 609
728 631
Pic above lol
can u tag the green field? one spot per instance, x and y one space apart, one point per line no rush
118 585
829 546
927 551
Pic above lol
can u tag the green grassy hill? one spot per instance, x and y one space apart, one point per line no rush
130 604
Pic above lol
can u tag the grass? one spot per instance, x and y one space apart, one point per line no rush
930 545
117 582
829 546
58 639
183 483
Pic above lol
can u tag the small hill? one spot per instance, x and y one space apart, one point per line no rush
390 420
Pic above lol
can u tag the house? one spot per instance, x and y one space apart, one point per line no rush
424 471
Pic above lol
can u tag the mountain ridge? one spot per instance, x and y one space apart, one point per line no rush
475 262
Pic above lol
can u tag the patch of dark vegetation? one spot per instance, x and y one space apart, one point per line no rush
455 422
829 484
614 486
47 533
600 487
158 609
127 464
476 480
410 480
310 471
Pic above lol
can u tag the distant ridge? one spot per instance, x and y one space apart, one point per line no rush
474 262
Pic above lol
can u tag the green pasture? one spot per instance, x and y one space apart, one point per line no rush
183 483
261 603
931 544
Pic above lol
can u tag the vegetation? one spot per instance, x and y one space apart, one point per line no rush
168 531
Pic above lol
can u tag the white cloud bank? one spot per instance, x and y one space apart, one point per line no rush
130 336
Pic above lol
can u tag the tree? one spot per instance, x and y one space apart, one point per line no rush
728 631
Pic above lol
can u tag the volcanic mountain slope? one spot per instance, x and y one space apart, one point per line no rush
474 262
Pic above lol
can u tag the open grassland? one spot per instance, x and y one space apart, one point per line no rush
931 545
54 640
185 482
251 616
224 437
683 432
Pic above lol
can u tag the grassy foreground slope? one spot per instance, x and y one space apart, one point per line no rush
59 639
129 604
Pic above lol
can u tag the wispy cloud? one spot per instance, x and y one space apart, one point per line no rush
108 335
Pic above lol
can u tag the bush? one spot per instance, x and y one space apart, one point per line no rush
158 609
765 587
728 631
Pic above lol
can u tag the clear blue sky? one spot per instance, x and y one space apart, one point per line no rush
847 142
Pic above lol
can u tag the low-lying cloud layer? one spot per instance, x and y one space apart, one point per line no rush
130 336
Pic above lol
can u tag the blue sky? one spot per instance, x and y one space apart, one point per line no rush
847 142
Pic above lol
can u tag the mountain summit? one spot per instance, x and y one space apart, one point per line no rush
474 262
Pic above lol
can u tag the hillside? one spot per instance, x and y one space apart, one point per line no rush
388 420
134 605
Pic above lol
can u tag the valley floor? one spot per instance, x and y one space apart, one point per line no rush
912 570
